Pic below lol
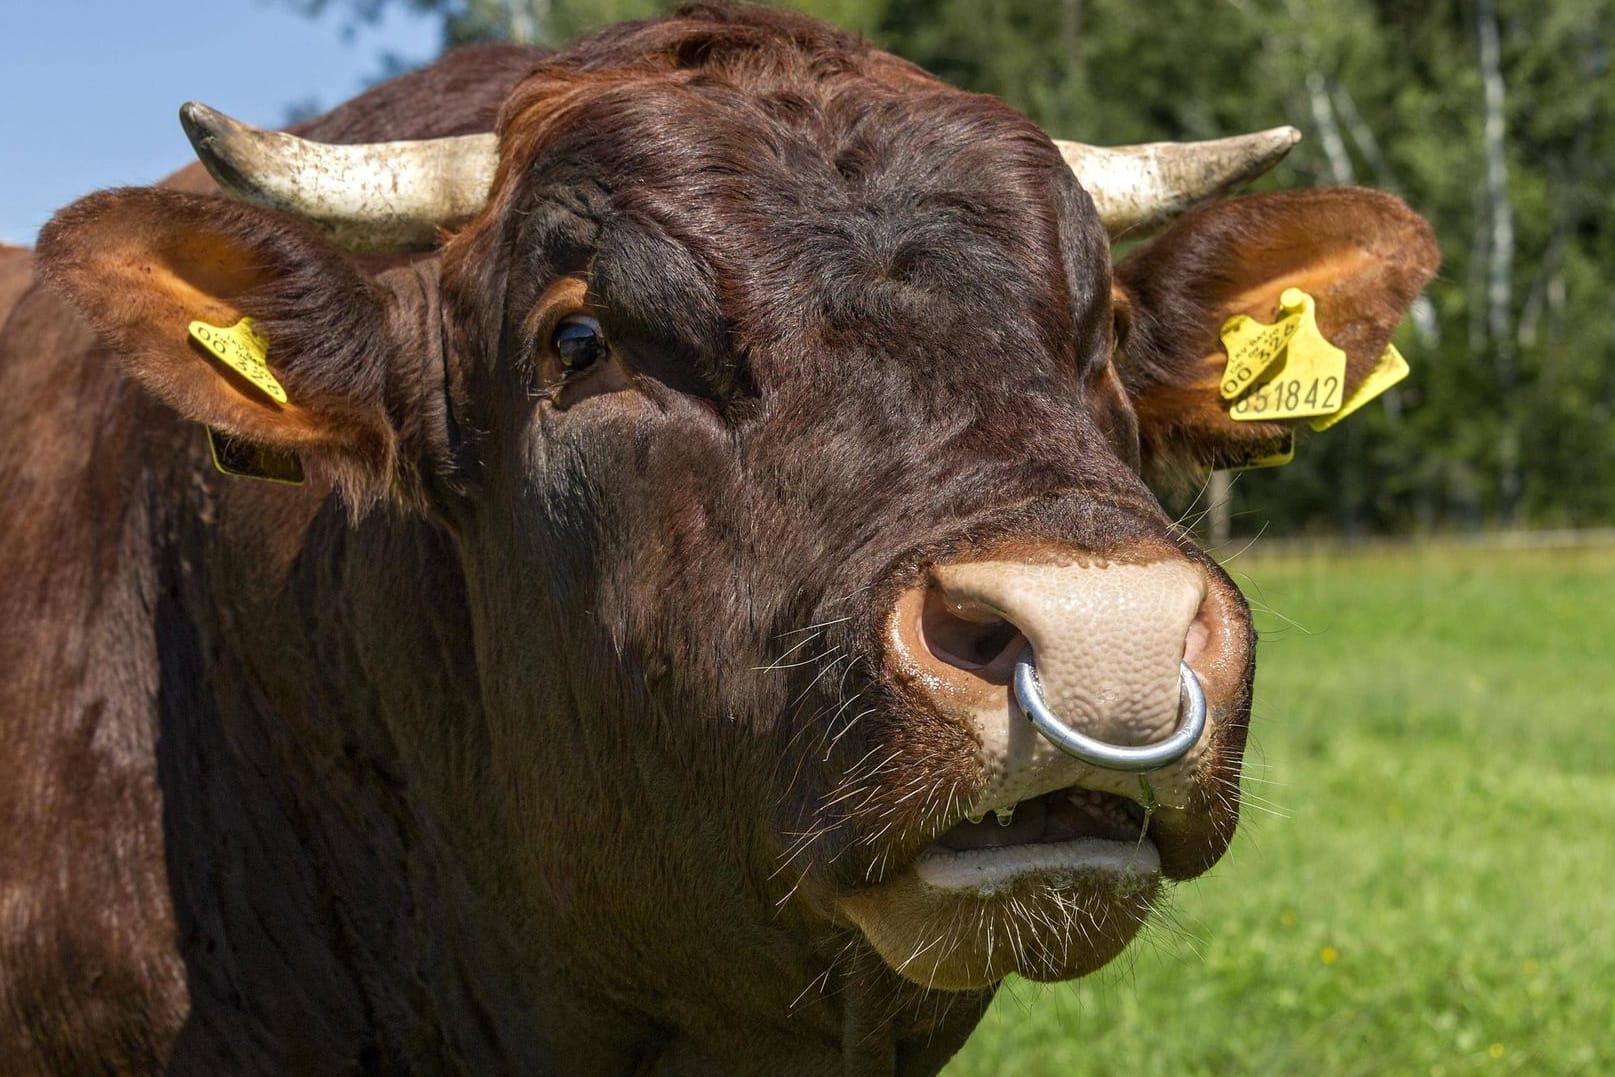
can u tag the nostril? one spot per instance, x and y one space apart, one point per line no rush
1202 633
969 636
1194 644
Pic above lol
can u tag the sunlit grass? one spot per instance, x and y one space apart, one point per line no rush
1428 884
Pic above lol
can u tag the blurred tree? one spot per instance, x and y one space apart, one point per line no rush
553 22
530 22
1494 118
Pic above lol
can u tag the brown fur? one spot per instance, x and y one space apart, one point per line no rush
527 757
16 273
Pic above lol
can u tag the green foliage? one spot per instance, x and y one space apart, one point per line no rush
1507 418
1422 881
1403 84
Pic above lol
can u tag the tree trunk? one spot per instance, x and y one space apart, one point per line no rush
1500 263
1219 509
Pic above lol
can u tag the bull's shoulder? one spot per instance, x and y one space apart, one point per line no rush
89 974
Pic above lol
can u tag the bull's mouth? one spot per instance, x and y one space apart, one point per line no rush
1055 863
1051 887
1061 816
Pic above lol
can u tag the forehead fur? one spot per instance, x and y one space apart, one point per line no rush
822 194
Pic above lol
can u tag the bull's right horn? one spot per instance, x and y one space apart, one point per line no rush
1139 188
379 196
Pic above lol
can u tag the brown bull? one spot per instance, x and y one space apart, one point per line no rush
627 689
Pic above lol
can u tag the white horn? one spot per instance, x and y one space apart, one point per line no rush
388 196
1139 188
379 196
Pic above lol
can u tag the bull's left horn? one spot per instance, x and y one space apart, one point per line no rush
1139 188
379 196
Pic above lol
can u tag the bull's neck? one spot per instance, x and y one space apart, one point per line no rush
316 692
342 811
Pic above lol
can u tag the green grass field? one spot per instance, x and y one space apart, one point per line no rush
1424 879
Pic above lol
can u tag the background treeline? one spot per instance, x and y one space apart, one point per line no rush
1491 117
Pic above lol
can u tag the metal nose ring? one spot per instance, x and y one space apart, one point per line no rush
1100 753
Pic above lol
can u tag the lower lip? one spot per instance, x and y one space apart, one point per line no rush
1091 861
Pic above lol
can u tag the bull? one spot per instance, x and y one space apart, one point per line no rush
691 465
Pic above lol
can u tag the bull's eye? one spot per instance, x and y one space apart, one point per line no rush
579 342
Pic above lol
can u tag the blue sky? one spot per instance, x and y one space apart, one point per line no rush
90 89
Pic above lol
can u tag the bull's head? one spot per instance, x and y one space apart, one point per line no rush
777 398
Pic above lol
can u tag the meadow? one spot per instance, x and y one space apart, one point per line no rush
1424 878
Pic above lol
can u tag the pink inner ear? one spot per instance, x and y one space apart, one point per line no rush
212 264
1355 313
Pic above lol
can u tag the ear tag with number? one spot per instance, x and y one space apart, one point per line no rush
1390 369
1275 459
240 348
1252 346
1309 380
232 456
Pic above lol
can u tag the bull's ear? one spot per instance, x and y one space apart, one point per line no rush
1362 255
143 265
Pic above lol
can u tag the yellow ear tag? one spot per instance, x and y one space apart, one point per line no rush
1278 459
1252 346
241 349
1309 380
1390 369
232 456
